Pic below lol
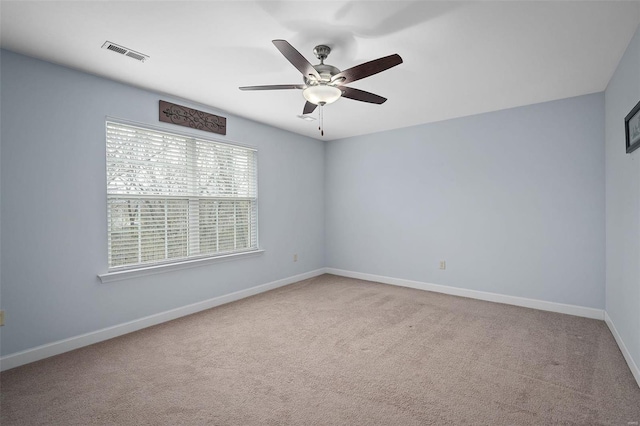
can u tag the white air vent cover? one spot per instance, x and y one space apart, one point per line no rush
125 51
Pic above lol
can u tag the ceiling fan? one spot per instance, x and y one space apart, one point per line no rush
325 84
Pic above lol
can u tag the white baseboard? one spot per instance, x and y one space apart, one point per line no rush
50 349
623 348
543 305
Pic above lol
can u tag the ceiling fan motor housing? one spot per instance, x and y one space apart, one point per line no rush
326 71
326 74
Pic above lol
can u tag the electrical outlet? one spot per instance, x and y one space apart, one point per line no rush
443 264
295 257
1 318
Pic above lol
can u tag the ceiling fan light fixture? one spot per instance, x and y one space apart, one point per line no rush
323 83
322 94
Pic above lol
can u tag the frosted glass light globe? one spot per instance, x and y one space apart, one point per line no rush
321 94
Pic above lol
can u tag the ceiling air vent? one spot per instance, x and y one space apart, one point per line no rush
125 51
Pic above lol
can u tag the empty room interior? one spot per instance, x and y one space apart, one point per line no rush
314 213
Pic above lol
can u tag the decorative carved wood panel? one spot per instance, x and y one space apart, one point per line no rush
189 117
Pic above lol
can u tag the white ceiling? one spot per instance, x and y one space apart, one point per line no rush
460 58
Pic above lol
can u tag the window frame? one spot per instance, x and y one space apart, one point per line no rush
138 269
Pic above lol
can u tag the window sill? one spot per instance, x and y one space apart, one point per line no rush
168 267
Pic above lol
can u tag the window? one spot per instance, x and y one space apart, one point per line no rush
173 197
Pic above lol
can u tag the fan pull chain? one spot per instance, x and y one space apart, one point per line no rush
321 126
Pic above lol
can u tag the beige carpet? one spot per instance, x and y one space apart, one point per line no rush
337 351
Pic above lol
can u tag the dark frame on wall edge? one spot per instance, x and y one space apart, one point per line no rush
632 129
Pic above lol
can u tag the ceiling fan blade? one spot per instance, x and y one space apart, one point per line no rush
274 87
309 108
367 69
296 59
361 95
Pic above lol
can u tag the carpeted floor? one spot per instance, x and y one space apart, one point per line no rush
337 351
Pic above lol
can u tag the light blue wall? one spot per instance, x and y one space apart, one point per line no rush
53 226
512 200
623 202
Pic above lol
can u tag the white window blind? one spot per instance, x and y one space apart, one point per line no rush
172 197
